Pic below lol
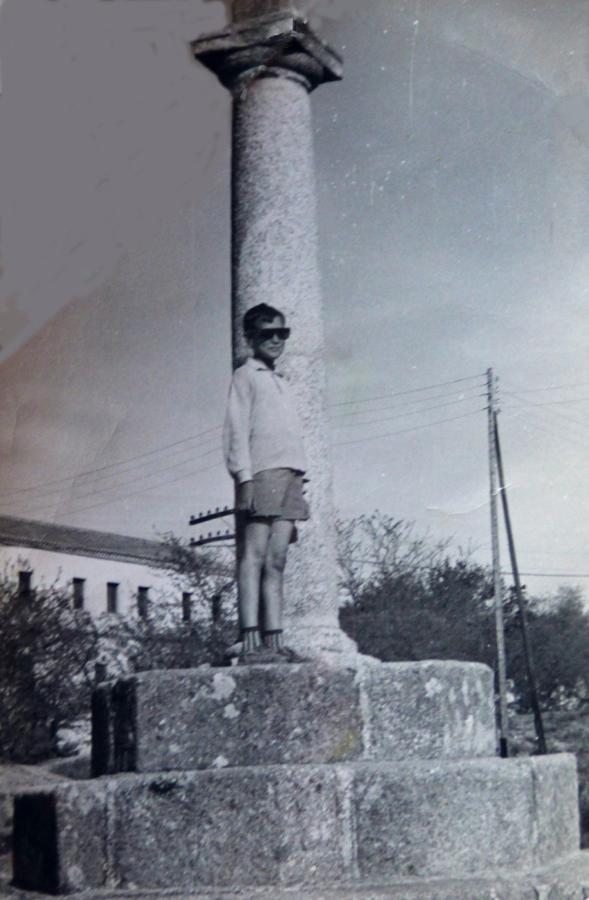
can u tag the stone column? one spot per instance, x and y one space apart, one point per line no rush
271 63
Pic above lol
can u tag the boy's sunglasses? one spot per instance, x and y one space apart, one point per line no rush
265 334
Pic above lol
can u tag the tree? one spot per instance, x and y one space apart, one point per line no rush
167 637
559 633
46 667
406 599
49 649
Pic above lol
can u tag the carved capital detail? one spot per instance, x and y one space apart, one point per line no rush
268 47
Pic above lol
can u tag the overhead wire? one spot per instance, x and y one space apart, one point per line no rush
446 395
406 430
180 443
545 411
407 392
120 467
553 387
406 414
544 427
123 484
137 492
124 461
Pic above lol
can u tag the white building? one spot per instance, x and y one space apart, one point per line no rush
105 572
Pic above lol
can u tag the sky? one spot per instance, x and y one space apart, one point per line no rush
452 178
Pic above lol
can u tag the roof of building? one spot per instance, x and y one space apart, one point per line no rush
16 532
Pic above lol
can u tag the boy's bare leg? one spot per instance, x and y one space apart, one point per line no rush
255 543
272 578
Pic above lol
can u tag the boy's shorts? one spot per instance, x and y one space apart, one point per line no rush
278 493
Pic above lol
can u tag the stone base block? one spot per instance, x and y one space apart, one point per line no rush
284 714
300 825
568 880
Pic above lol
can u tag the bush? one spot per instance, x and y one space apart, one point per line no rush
49 650
46 668
407 600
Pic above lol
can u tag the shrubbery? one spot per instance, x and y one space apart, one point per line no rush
46 668
404 599
49 650
407 600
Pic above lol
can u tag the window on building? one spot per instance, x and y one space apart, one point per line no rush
78 588
142 601
186 606
112 597
24 583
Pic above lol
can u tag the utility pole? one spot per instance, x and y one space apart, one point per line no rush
497 587
533 694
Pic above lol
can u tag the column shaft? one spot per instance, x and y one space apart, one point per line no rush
274 261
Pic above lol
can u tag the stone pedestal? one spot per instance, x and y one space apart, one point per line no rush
300 781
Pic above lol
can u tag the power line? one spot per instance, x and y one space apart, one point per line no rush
134 493
552 574
554 387
557 402
425 567
554 412
554 553
111 465
545 429
197 471
123 484
471 393
405 393
54 486
406 430
544 415
403 415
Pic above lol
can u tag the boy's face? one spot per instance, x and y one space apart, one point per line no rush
267 340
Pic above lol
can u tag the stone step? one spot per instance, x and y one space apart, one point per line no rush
566 880
283 714
308 824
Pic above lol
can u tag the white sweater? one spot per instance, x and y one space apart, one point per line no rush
262 429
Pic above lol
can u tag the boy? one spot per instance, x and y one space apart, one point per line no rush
265 455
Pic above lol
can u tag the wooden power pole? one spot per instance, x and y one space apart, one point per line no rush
497 586
530 669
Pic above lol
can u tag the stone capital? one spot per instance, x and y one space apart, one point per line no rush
278 44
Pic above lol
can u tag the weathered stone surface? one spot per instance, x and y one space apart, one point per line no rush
431 709
312 825
568 880
411 820
262 715
555 794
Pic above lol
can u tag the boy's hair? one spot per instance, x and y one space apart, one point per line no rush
261 311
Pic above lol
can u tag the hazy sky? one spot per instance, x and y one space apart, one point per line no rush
452 170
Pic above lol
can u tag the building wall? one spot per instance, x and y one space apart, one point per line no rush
49 567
